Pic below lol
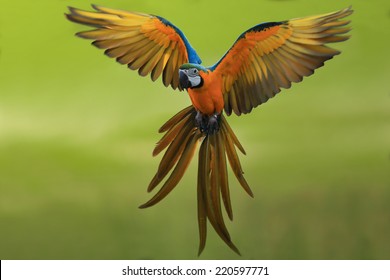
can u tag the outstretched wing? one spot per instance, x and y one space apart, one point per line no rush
145 42
271 55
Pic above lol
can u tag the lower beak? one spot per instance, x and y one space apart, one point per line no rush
183 79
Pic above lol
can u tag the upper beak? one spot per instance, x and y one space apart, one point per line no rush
183 79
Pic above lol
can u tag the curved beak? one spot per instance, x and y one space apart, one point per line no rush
183 79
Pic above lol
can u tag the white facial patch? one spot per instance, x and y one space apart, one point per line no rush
194 80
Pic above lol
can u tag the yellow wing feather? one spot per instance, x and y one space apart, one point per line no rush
141 41
273 55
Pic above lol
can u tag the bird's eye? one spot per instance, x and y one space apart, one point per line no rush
195 71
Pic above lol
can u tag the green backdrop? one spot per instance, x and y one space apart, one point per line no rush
77 131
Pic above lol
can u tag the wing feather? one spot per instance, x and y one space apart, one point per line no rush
149 62
159 68
150 44
272 55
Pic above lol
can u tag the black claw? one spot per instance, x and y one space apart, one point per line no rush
207 124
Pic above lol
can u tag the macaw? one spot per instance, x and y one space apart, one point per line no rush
264 59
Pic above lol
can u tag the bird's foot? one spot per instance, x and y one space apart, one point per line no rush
207 124
200 121
213 124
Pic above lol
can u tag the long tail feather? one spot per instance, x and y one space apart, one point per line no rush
178 172
171 156
180 141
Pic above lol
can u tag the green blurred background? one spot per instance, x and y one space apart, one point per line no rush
77 131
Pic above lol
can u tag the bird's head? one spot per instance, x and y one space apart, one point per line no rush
189 75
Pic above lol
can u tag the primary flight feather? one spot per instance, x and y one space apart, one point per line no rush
264 59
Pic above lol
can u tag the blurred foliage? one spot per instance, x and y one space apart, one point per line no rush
77 131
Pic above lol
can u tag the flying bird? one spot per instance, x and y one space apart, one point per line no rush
263 60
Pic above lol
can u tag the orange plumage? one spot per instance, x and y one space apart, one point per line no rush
208 99
263 60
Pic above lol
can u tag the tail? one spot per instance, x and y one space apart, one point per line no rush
182 138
